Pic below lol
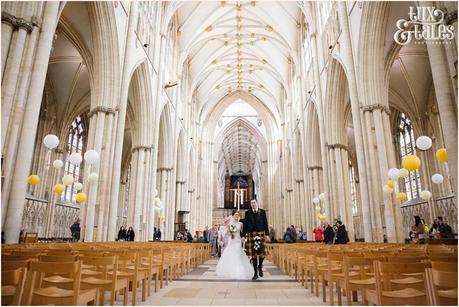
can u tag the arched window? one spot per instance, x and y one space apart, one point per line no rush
355 208
407 147
75 143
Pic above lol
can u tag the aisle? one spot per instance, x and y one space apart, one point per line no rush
203 287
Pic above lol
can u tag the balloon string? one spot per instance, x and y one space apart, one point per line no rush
48 159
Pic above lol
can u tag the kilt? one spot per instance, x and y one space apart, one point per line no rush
250 251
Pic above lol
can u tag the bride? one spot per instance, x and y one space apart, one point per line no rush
234 263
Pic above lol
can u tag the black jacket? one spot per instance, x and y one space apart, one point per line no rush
341 235
329 234
130 235
255 222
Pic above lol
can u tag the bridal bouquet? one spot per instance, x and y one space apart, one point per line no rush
232 230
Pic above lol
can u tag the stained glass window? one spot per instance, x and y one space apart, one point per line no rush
75 143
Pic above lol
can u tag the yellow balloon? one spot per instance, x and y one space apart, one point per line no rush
80 198
401 196
442 155
33 180
391 183
58 188
321 217
411 162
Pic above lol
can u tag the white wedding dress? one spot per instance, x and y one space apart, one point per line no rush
234 263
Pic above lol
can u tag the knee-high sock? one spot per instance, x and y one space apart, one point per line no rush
255 266
260 262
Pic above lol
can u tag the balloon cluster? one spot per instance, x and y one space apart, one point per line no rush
91 156
317 200
411 163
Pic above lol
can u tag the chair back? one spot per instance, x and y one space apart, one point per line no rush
38 269
441 287
14 279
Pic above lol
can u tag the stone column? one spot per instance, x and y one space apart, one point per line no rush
10 144
346 45
375 183
11 76
27 136
119 139
322 127
97 121
103 193
447 105
383 167
139 189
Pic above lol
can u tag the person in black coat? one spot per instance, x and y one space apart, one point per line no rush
329 234
341 234
130 235
122 234
256 229
75 230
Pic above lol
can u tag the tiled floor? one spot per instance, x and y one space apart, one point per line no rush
203 288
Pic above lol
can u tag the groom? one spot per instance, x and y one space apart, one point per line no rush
256 227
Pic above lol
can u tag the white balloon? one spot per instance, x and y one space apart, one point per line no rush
91 156
423 142
321 196
156 192
437 178
78 186
51 141
387 189
157 200
75 158
426 195
318 209
394 173
316 200
93 177
404 173
67 179
58 164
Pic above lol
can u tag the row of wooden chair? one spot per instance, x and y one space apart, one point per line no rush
78 274
348 269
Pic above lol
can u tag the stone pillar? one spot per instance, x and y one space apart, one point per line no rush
10 144
347 48
11 77
122 106
375 179
447 105
27 136
97 121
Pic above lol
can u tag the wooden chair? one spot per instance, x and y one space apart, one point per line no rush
442 287
104 283
34 294
11 265
13 286
444 266
443 258
385 294
360 281
31 237
128 267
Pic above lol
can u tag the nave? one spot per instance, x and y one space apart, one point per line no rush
201 287
183 274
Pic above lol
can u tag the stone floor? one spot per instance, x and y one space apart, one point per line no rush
202 287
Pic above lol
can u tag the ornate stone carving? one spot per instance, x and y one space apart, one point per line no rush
138 148
106 110
376 106
337 145
18 23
